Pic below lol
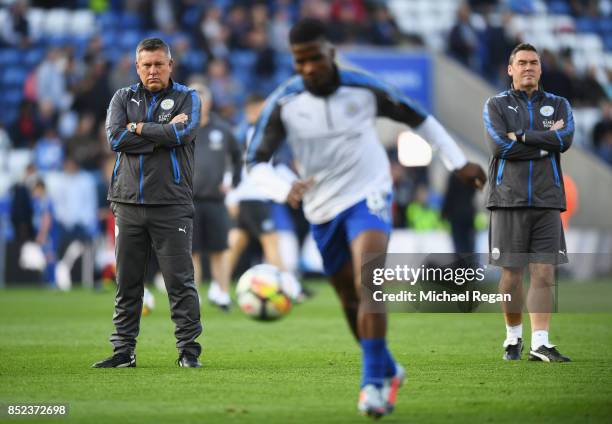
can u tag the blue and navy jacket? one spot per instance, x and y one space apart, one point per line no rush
156 167
527 173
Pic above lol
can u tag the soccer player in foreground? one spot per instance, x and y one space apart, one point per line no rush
327 115
528 130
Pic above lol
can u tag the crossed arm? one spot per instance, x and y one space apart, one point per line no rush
533 144
148 135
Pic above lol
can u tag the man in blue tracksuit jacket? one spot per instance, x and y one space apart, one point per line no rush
152 126
528 130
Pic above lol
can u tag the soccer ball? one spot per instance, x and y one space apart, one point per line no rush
148 302
261 295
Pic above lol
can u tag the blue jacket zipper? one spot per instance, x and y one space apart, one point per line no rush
530 108
149 116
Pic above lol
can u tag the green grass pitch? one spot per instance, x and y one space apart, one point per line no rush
303 369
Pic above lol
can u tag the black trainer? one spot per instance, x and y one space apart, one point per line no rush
512 352
547 354
118 360
187 360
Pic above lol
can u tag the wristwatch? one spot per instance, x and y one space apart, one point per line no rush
132 127
520 135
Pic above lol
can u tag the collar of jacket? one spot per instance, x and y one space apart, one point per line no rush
523 95
157 93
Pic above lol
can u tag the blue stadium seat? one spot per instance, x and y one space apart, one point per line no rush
130 21
194 60
129 39
243 60
9 116
109 21
559 7
12 97
33 56
109 39
608 42
9 57
586 24
14 76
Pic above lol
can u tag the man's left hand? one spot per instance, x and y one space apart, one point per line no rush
472 174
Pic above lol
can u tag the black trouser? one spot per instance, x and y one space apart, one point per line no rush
166 229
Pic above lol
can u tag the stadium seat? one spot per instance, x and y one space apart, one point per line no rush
33 56
108 21
57 21
14 77
13 97
130 21
9 57
558 7
586 24
83 22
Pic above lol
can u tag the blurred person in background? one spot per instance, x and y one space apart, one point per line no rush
463 39
48 154
216 151
226 90
43 221
84 145
251 209
73 195
15 29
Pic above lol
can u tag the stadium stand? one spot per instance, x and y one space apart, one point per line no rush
85 51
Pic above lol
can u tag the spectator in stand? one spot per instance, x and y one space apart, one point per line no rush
384 30
227 91
27 129
84 147
463 39
122 74
498 45
279 30
590 91
51 80
48 154
264 68
15 28
239 26
603 126
556 80
349 19
93 94
211 36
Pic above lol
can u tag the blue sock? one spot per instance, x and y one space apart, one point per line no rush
373 361
390 368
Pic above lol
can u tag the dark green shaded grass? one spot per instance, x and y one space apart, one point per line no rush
304 368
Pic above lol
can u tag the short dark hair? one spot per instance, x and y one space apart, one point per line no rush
307 30
152 44
520 47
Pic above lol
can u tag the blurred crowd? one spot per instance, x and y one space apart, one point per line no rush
57 88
